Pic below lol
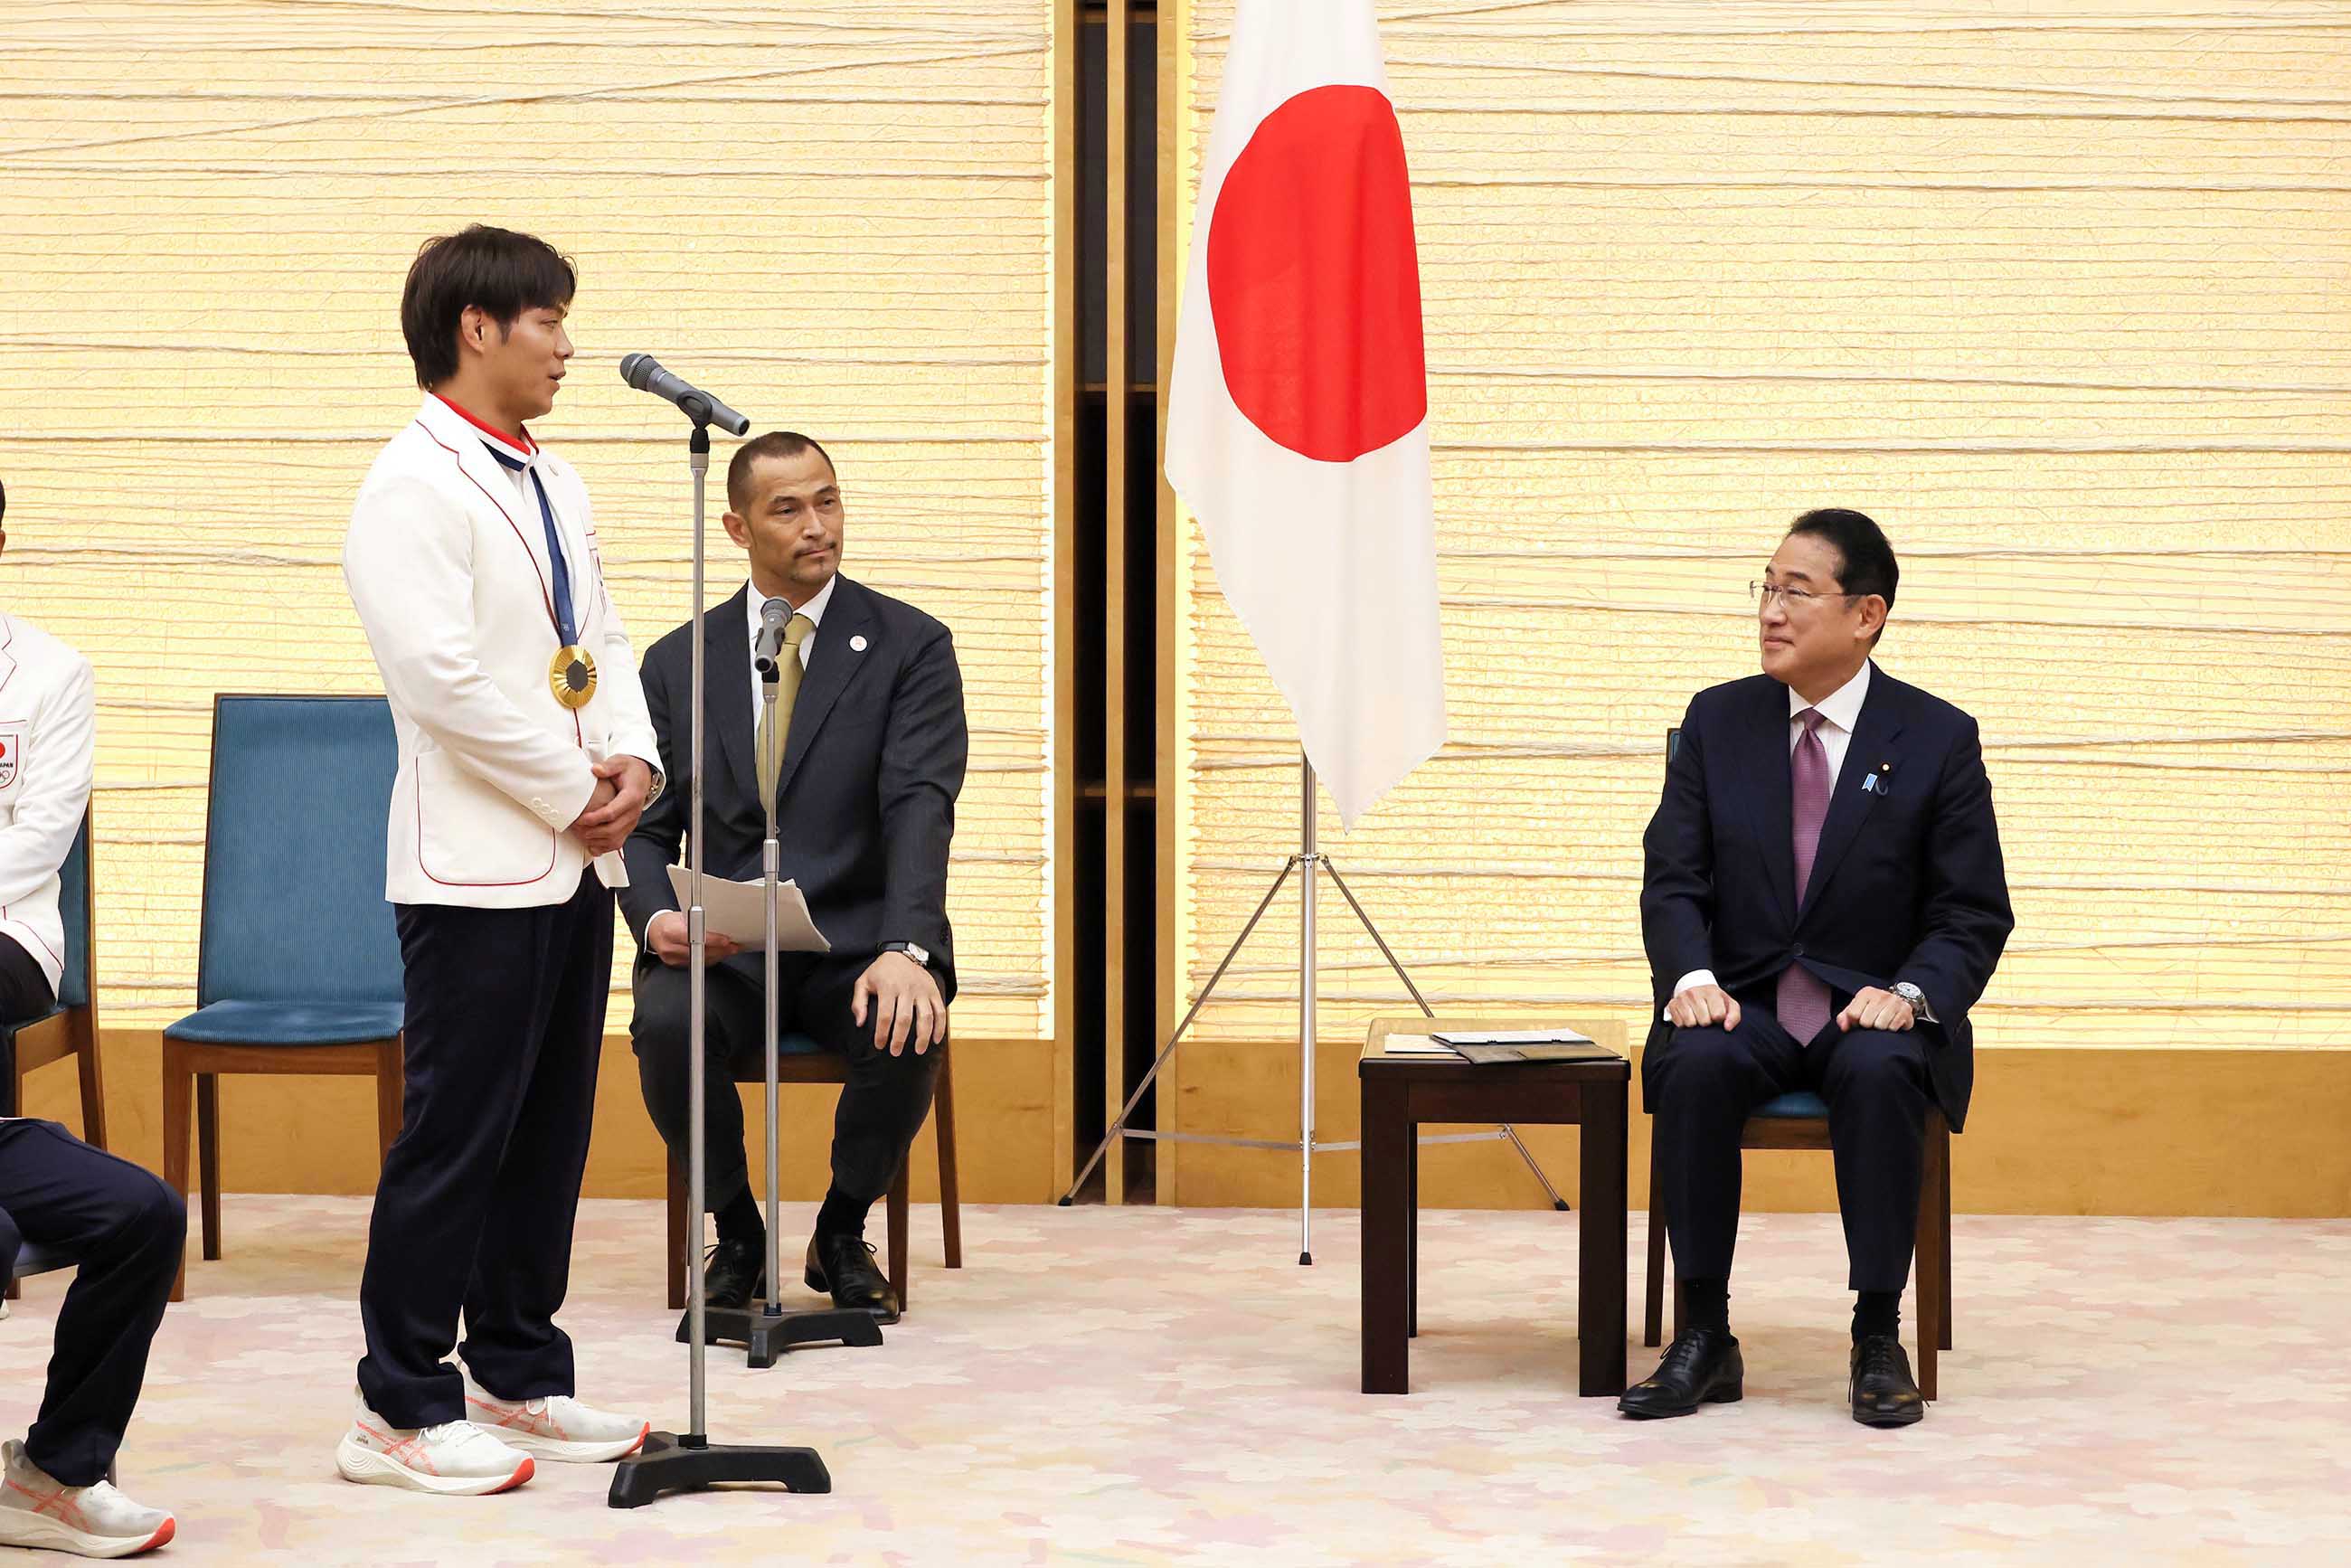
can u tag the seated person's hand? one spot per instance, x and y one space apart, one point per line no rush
665 934
1702 1006
905 1004
1874 1008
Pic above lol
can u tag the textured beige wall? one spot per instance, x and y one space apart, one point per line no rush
2061 295
838 213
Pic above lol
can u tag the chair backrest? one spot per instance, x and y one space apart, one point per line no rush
74 904
294 852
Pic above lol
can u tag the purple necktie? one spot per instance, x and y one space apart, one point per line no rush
1802 1003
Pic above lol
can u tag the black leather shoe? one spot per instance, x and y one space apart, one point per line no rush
1702 1367
1884 1392
732 1272
843 1266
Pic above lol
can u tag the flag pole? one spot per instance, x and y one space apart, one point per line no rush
1309 862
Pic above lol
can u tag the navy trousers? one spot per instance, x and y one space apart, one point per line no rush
124 1229
1702 1085
475 1208
882 1106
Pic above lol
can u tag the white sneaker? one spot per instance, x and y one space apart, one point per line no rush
557 1428
455 1458
89 1522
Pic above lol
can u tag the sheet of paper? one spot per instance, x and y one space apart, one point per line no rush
1515 1037
737 910
1415 1045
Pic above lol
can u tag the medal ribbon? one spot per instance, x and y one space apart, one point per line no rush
566 625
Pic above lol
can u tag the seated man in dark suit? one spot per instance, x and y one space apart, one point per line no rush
1823 904
870 703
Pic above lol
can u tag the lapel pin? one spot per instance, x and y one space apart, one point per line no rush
857 645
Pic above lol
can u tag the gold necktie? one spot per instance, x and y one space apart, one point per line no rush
776 723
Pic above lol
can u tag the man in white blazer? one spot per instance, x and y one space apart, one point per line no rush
526 755
121 1227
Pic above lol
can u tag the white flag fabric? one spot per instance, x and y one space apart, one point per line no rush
1298 416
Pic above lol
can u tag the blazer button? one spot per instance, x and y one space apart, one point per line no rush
1800 949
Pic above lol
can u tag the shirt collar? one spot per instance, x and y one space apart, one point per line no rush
754 601
1841 707
513 453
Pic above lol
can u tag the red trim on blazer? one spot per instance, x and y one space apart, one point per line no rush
444 882
527 446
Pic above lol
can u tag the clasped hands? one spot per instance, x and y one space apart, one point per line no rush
618 800
1701 1007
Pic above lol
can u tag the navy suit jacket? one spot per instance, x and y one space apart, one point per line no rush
1907 884
872 763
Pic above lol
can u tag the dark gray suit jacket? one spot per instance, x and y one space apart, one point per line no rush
872 766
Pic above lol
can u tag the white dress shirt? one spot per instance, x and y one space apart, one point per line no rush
754 601
1839 710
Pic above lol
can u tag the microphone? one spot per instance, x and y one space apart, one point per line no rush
644 372
773 615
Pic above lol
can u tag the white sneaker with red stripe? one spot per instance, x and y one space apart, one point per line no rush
88 1521
455 1458
557 1428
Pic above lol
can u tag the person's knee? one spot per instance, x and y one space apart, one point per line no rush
1700 1064
1876 1066
662 1018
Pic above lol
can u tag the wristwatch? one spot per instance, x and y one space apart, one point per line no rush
918 953
1918 1001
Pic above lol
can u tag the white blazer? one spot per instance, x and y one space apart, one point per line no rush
48 727
447 566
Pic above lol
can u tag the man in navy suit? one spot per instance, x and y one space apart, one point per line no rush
875 749
1823 903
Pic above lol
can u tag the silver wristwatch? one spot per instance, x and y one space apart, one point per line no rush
918 953
1918 1001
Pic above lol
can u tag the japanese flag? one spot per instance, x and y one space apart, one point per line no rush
1296 422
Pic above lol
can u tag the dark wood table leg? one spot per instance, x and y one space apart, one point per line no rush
1387 1224
1599 1283
1412 1231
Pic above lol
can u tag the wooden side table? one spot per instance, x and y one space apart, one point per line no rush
1400 1093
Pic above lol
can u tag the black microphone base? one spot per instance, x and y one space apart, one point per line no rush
666 1464
766 1335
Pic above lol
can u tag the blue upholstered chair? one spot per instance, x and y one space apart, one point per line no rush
68 1029
799 1059
1800 1121
298 971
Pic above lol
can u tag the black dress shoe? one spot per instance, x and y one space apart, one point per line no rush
732 1272
1702 1367
843 1266
1884 1392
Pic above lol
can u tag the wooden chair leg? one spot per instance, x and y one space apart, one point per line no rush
1652 1303
680 1261
897 1212
208 1159
950 1199
1947 1239
178 1091
1929 1253
93 1085
12 1093
391 1081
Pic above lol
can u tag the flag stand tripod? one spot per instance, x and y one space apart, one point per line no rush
1307 863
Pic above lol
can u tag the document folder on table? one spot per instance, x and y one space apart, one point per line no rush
1525 1045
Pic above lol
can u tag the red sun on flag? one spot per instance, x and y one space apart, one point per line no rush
1314 281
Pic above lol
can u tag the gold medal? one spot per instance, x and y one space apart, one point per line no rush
571 676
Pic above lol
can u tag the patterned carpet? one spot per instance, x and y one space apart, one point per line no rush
1146 1386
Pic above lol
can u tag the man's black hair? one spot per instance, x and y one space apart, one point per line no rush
503 272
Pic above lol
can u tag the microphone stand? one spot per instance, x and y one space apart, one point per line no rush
689 1461
766 1331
